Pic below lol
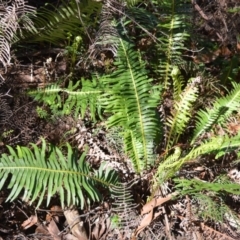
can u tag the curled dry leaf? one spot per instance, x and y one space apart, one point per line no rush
147 219
155 202
148 210
32 220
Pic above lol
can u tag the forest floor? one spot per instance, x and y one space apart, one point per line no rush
162 218
23 120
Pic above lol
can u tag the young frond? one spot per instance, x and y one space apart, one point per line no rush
172 43
181 114
177 83
38 172
218 113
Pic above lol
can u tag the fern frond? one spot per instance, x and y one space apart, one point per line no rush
46 170
177 83
215 145
123 207
196 186
212 207
76 98
132 101
173 35
181 114
211 204
11 16
220 112
53 25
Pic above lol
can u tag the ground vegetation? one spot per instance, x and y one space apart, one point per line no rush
119 119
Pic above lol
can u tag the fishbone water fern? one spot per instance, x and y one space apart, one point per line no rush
37 171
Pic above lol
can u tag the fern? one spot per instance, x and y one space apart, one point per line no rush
132 101
74 99
53 25
14 17
209 197
219 113
46 170
181 113
173 35
177 83
196 186
174 162
123 208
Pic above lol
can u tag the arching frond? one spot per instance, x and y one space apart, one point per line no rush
46 170
221 110
215 145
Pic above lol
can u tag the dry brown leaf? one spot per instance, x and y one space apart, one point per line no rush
53 230
147 219
75 223
55 212
155 202
100 228
69 237
41 229
32 220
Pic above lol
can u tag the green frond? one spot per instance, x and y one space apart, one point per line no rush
46 171
53 24
208 196
220 111
196 186
177 83
166 169
73 99
132 101
173 35
216 145
181 114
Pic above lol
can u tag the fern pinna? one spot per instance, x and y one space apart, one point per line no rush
39 171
